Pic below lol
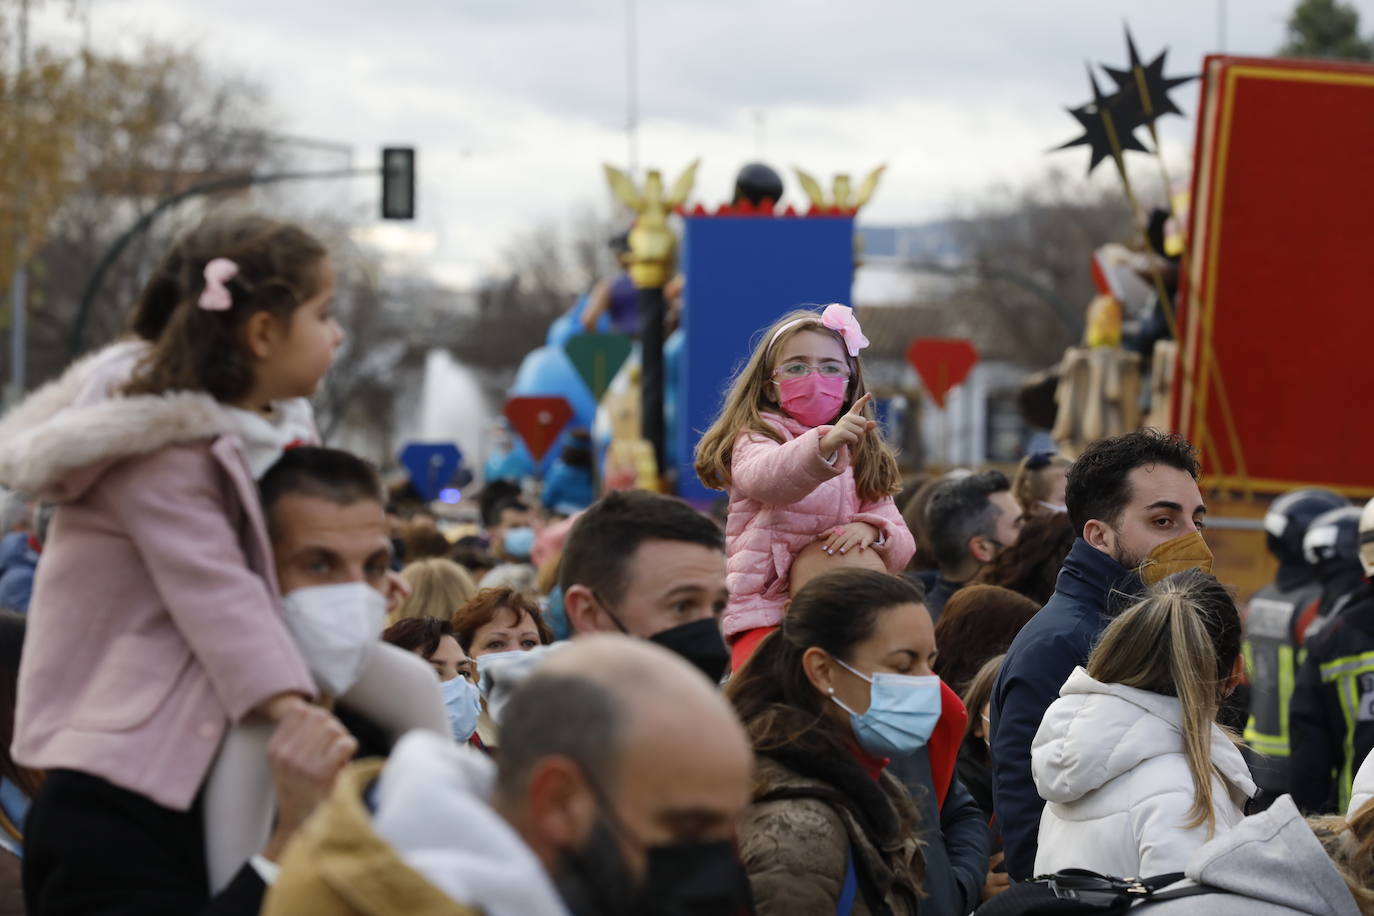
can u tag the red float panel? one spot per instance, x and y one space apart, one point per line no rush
1275 303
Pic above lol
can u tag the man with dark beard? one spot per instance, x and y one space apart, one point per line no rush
1138 513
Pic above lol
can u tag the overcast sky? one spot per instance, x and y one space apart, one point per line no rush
514 104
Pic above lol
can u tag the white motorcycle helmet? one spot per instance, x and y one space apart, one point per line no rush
1367 539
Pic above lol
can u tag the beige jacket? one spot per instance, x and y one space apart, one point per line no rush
338 866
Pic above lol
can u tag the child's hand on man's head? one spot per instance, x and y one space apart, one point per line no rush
844 538
815 559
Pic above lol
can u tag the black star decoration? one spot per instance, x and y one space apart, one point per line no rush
1120 110
1150 80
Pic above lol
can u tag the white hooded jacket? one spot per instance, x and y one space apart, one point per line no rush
1109 760
1362 789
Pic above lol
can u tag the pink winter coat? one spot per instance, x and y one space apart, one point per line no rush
783 497
155 618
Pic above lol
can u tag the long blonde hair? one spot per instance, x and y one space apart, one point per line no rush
438 587
1182 640
875 466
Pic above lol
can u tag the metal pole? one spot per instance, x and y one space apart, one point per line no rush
1221 26
651 310
19 285
112 253
631 90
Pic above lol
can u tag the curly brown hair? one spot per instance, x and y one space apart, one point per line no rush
486 605
194 349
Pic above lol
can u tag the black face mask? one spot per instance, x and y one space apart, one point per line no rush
593 880
681 879
695 879
700 643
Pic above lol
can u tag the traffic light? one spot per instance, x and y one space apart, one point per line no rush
398 182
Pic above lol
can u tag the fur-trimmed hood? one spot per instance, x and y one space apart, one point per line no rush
63 436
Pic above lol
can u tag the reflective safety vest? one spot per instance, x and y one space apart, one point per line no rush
1272 650
1333 706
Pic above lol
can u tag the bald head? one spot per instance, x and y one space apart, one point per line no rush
814 561
630 725
598 695
634 669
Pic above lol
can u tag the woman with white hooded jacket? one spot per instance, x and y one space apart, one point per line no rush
1135 770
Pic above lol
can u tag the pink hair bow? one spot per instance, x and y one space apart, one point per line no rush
841 318
216 297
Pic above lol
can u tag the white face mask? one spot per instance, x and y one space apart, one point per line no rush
336 628
485 664
1054 507
464 706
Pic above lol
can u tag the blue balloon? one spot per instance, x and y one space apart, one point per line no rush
564 327
569 324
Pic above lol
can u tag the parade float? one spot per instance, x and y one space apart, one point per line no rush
1248 345
1264 309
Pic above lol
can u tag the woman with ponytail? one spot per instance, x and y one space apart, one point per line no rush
1135 769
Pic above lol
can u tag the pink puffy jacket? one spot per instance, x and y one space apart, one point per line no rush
783 497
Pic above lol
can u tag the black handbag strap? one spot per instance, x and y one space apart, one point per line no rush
1194 891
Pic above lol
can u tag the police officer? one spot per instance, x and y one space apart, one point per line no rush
1271 633
1332 711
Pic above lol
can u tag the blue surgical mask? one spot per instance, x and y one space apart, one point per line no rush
518 542
463 704
902 712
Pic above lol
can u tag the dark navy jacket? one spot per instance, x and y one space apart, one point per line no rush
955 839
1040 659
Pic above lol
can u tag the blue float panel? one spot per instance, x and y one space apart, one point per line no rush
742 273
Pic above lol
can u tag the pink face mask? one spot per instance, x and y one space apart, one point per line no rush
811 399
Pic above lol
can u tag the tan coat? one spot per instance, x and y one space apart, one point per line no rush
338 866
796 847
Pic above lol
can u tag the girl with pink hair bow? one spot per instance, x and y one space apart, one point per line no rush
798 451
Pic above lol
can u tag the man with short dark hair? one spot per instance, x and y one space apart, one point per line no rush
971 520
508 521
1135 503
326 516
316 499
650 566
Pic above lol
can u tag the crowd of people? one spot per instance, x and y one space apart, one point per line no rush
241 674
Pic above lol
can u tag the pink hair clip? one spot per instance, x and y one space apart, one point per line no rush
216 297
836 317
841 318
